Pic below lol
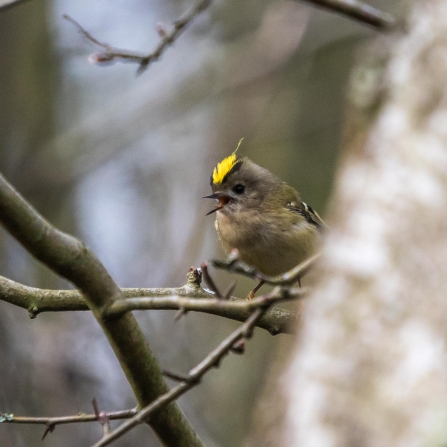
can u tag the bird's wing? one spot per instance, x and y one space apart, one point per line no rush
307 212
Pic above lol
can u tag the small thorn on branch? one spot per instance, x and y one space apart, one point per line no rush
102 417
143 65
160 27
48 429
238 347
230 291
180 377
101 58
209 281
248 333
180 314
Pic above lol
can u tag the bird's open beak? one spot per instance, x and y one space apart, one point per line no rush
222 198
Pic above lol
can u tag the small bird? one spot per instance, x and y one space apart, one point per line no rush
262 217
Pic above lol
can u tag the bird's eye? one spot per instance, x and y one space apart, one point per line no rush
239 189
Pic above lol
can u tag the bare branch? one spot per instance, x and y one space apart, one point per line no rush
190 381
210 282
211 305
81 417
357 10
52 422
354 9
274 321
190 297
232 264
112 54
71 259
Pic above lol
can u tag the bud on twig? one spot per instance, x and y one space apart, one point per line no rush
101 58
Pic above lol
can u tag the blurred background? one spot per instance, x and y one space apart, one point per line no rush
123 161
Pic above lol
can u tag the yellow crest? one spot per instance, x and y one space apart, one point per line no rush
225 166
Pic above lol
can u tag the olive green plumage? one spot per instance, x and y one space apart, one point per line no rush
262 217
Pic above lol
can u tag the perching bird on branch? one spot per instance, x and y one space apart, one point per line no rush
262 217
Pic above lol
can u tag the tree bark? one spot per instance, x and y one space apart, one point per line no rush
370 366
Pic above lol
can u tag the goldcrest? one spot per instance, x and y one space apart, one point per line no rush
262 217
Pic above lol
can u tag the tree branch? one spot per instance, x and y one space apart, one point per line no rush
52 422
357 10
353 9
232 264
190 381
187 382
71 259
187 298
5 4
112 54
275 321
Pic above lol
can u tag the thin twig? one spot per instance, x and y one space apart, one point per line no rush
359 11
210 282
190 381
102 417
52 422
229 293
353 9
168 37
175 376
232 264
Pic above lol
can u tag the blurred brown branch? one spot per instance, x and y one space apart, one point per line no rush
360 11
353 9
194 377
5 4
168 37
70 258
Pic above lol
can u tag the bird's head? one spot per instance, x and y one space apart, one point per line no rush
239 184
